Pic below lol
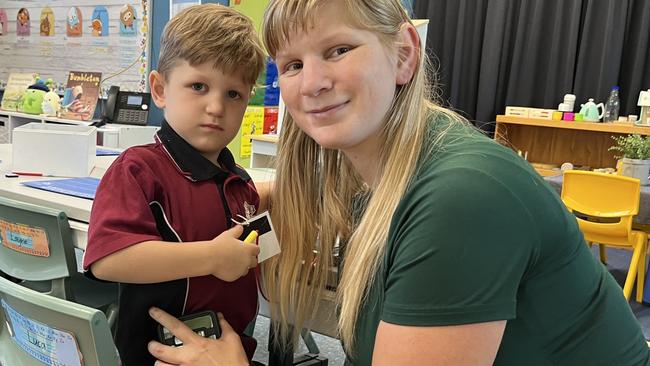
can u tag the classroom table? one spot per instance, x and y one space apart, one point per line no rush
77 209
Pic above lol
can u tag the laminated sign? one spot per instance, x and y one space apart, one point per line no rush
24 239
49 345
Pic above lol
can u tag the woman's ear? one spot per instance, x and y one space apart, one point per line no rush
157 88
408 52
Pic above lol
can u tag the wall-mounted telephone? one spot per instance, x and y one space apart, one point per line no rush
131 108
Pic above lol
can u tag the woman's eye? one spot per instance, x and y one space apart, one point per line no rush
232 94
198 87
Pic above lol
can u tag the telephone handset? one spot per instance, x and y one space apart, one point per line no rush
130 108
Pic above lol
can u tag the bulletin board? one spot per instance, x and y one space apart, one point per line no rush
59 36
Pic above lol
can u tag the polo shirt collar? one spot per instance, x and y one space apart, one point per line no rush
194 165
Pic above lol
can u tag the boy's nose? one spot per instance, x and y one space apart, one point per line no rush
215 107
315 78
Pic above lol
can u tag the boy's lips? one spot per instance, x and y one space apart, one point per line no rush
212 126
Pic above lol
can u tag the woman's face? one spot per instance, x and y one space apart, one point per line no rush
338 83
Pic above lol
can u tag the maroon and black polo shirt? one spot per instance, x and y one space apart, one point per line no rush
168 191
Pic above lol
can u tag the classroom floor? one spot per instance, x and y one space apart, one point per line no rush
618 261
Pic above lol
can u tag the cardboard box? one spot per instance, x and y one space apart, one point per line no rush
540 113
125 136
517 111
54 149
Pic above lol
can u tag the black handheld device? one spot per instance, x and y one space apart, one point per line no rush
204 323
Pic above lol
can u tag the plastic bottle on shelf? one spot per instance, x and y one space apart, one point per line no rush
612 106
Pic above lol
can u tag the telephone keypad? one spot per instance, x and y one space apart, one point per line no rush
132 116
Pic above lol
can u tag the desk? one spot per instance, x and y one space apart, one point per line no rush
77 209
557 142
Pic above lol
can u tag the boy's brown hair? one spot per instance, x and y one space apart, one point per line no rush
212 33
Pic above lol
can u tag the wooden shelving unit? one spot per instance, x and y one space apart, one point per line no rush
556 142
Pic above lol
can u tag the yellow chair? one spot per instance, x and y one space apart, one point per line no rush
604 205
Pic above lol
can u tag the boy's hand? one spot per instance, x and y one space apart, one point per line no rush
234 257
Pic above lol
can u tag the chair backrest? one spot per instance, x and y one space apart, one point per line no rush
611 199
27 233
38 326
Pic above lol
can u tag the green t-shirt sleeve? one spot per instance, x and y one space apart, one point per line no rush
459 245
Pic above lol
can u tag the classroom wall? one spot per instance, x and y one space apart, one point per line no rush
80 35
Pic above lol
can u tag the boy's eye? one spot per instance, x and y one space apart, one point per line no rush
198 87
232 94
294 66
341 50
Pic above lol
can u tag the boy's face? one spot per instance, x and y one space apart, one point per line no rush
202 104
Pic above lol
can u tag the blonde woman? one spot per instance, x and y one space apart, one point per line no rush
456 252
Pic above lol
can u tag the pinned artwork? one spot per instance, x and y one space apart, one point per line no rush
74 22
128 21
3 22
99 22
22 22
47 22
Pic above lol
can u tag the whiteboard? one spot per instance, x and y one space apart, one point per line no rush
120 49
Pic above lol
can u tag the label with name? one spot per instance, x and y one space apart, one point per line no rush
24 239
50 346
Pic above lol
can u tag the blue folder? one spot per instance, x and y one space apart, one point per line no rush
78 187
106 152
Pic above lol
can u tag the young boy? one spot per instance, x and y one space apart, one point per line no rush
185 188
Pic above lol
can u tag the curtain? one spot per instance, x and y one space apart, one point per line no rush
492 53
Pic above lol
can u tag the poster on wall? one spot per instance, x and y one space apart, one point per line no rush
22 22
94 41
47 22
128 21
252 124
3 22
99 22
74 22
254 9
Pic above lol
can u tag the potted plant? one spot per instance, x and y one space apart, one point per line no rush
635 156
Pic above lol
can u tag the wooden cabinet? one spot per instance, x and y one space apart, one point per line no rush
556 142
263 150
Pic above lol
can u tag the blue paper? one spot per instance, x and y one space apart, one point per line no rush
78 187
106 152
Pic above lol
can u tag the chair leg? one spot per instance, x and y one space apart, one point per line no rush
643 264
632 271
602 248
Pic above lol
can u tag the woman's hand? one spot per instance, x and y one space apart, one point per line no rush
196 350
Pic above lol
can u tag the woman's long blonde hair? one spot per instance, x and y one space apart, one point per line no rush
315 186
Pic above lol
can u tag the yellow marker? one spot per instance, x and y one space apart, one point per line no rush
251 237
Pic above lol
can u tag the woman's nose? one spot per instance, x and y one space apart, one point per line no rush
315 78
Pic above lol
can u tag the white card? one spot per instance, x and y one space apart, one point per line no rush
268 242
